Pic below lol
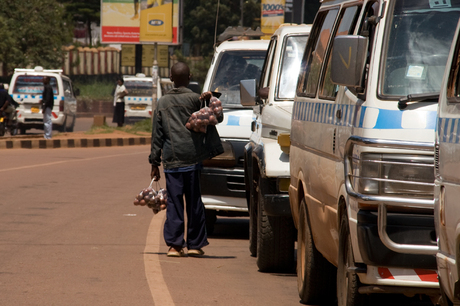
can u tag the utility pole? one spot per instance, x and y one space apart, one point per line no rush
241 7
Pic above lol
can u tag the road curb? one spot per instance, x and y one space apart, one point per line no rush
73 143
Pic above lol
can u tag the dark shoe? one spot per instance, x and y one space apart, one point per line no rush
195 252
175 252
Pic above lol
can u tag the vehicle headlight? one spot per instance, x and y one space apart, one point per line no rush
394 174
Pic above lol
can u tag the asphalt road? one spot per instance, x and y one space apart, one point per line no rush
70 235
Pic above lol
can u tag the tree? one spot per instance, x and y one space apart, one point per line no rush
84 11
200 23
32 33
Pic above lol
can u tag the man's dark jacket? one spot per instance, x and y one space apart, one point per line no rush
48 96
174 144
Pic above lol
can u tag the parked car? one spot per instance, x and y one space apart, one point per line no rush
222 178
138 102
26 87
447 179
361 154
272 233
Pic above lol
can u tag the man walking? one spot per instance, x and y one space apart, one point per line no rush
182 151
47 106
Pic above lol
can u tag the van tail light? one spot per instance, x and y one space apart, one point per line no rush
61 106
150 113
54 115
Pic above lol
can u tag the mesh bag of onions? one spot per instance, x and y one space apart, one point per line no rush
154 199
207 115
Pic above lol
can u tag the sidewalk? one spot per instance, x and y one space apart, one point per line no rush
75 140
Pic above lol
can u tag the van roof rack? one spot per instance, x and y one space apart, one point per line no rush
38 69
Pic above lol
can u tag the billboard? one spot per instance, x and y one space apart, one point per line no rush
140 21
272 16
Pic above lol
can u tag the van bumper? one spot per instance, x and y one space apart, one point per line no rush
277 205
402 228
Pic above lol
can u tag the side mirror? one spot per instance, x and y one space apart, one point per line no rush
348 61
248 92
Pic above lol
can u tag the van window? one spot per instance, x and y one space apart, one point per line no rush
233 66
137 88
453 83
67 89
290 66
347 24
417 43
316 52
33 84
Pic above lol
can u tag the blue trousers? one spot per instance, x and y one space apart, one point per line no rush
178 185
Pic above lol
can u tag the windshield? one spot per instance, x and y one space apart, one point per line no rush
233 66
421 32
33 84
139 88
290 66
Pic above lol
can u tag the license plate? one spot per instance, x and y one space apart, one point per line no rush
138 107
35 109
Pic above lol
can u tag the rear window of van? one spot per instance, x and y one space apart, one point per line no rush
33 84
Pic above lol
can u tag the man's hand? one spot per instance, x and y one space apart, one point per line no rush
155 173
206 95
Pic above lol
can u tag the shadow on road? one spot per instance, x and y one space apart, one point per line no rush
231 228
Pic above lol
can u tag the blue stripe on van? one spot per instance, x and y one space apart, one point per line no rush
233 120
326 113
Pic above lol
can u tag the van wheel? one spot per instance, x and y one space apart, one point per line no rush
62 128
211 218
347 282
315 275
71 128
22 131
445 301
275 237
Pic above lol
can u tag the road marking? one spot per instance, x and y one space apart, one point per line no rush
158 288
68 161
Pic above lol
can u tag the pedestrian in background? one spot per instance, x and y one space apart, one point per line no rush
182 152
119 103
47 103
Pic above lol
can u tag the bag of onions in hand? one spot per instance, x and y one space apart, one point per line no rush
200 119
156 200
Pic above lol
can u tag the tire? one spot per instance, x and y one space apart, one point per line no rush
22 131
14 129
275 237
2 129
347 282
62 128
315 275
445 301
211 218
253 220
71 128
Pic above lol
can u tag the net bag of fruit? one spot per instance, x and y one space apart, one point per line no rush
207 115
154 199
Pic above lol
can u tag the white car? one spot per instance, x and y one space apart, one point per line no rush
26 88
222 178
138 102
266 160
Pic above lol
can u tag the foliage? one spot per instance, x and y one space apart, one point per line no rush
138 128
32 33
84 11
102 90
198 69
200 23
